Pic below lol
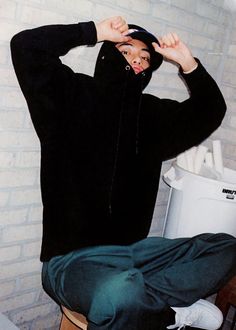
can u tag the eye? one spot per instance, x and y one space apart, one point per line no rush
146 58
124 52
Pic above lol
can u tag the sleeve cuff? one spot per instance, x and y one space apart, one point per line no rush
194 68
89 32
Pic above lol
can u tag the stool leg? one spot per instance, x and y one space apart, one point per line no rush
66 324
233 322
222 303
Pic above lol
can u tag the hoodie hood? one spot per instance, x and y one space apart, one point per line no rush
112 67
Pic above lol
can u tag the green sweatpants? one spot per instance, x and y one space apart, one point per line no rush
127 287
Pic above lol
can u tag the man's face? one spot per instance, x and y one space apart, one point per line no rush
136 54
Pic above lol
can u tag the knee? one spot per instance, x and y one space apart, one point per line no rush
227 244
122 292
127 291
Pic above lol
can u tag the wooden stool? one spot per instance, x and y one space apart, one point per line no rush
226 297
72 320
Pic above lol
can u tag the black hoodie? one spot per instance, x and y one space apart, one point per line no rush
102 140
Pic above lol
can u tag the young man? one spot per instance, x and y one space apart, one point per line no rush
102 143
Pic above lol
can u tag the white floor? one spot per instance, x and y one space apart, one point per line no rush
6 324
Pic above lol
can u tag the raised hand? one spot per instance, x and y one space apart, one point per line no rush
172 48
112 29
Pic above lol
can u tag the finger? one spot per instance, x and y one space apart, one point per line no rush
172 39
115 19
176 37
160 42
123 28
118 22
125 38
126 34
158 49
168 40
165 41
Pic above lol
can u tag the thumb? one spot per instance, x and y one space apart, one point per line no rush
157 48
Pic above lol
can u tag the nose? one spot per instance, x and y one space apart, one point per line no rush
136 60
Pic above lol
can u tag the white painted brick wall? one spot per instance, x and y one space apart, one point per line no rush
6 288
211 33
19 268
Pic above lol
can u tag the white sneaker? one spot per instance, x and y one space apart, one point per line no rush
202 314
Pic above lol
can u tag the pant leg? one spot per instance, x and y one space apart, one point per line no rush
126 287
64 277
102 283
183 270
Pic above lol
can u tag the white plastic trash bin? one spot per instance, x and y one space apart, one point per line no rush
198 204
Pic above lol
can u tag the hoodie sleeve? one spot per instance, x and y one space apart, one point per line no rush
44 80
182 125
